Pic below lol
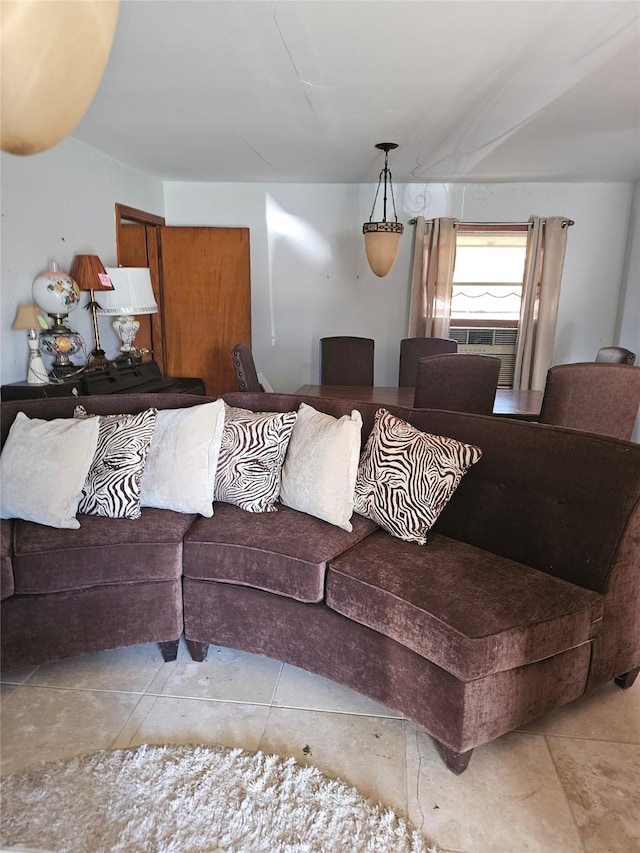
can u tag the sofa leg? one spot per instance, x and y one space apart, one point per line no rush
626 679
198 651
169 650
457 762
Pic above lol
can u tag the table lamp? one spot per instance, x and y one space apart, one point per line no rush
89 274
57 294
28 319
132 294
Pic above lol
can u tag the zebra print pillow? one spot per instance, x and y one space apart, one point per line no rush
406 477
112 487
251 456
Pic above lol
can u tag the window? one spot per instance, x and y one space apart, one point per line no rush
487 277
487 292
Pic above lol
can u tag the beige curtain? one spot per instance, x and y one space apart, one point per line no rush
431 278
544 262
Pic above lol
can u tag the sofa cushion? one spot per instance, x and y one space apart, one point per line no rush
43 468
6 551
469 611
406 477
103 551
251 457
286 552
112 488
319 472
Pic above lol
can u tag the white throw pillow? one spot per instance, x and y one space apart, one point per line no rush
321 465
43 467
180 470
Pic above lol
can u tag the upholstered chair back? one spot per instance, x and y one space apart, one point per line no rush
245 368
617 355
595 396
458 382
413 349
346 360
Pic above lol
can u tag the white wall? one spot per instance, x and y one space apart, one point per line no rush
628 320
310 277
56 205
309 272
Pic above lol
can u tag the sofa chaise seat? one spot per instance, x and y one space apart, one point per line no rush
470 612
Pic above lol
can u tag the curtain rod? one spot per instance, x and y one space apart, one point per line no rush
565 224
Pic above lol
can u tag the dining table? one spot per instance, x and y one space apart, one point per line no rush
522 405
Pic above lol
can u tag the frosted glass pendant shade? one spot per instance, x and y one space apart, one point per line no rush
381 243
53 58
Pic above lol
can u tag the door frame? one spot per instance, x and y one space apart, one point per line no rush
152 223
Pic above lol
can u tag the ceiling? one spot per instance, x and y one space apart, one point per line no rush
298 91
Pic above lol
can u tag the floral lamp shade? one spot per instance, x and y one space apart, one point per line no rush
55 292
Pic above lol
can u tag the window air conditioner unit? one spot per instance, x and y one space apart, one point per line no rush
490 341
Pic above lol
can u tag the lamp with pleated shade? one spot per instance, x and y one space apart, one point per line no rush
89 274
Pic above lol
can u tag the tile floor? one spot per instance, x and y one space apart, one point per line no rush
567 782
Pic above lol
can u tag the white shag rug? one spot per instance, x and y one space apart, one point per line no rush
192 799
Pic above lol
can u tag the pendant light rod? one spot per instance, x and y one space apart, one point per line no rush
385 176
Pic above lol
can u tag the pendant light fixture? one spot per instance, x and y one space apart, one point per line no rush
382 239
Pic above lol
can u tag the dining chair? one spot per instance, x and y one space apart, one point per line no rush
346 360
245 368
616 355
594 396
458 382
412 349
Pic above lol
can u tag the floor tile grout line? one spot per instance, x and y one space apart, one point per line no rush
414 734
216 700
565 795
267 716
586 739
128 720
405 727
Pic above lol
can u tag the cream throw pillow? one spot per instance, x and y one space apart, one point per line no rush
43 468
320 468
180 470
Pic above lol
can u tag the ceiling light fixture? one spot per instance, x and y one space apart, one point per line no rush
382 239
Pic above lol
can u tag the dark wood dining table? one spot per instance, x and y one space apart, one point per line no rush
524 405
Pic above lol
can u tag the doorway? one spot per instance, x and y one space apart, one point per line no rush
202 284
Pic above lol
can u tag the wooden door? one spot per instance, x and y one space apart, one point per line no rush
206 301
206 307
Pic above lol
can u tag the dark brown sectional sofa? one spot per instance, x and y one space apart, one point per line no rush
526 595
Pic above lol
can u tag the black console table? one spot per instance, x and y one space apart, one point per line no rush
142 378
